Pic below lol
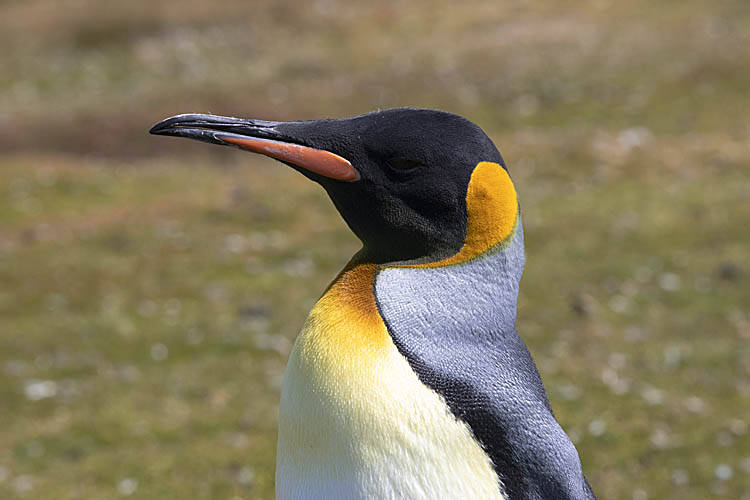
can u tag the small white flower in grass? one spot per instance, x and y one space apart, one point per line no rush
172 307
127 486
673 355
597 427
670 282
570 392
619 303
633 137
694 404
236 243
652 396
723 472
23 484
245 476
36 390
660 439
640 494
616 384
237 440
159 352
738 426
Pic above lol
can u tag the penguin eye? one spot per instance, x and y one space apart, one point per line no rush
401 163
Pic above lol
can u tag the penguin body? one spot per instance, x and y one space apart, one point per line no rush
354 415
409 379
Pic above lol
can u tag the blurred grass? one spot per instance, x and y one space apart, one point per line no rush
152 288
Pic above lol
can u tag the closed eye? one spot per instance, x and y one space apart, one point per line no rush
401 163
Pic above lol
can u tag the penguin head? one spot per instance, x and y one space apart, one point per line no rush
400 178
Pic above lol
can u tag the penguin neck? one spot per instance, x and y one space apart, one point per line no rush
476 295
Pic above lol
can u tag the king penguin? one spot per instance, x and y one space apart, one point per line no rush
409 379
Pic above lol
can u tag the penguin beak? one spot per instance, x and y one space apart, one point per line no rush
258 136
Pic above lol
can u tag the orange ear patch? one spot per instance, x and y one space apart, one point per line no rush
492 209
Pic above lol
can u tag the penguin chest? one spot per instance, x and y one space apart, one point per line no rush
356 422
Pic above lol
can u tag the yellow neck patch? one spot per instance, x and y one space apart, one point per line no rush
492 210
349 301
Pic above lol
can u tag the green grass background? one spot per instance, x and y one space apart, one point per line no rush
150 289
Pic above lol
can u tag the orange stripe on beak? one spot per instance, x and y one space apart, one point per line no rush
318 161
